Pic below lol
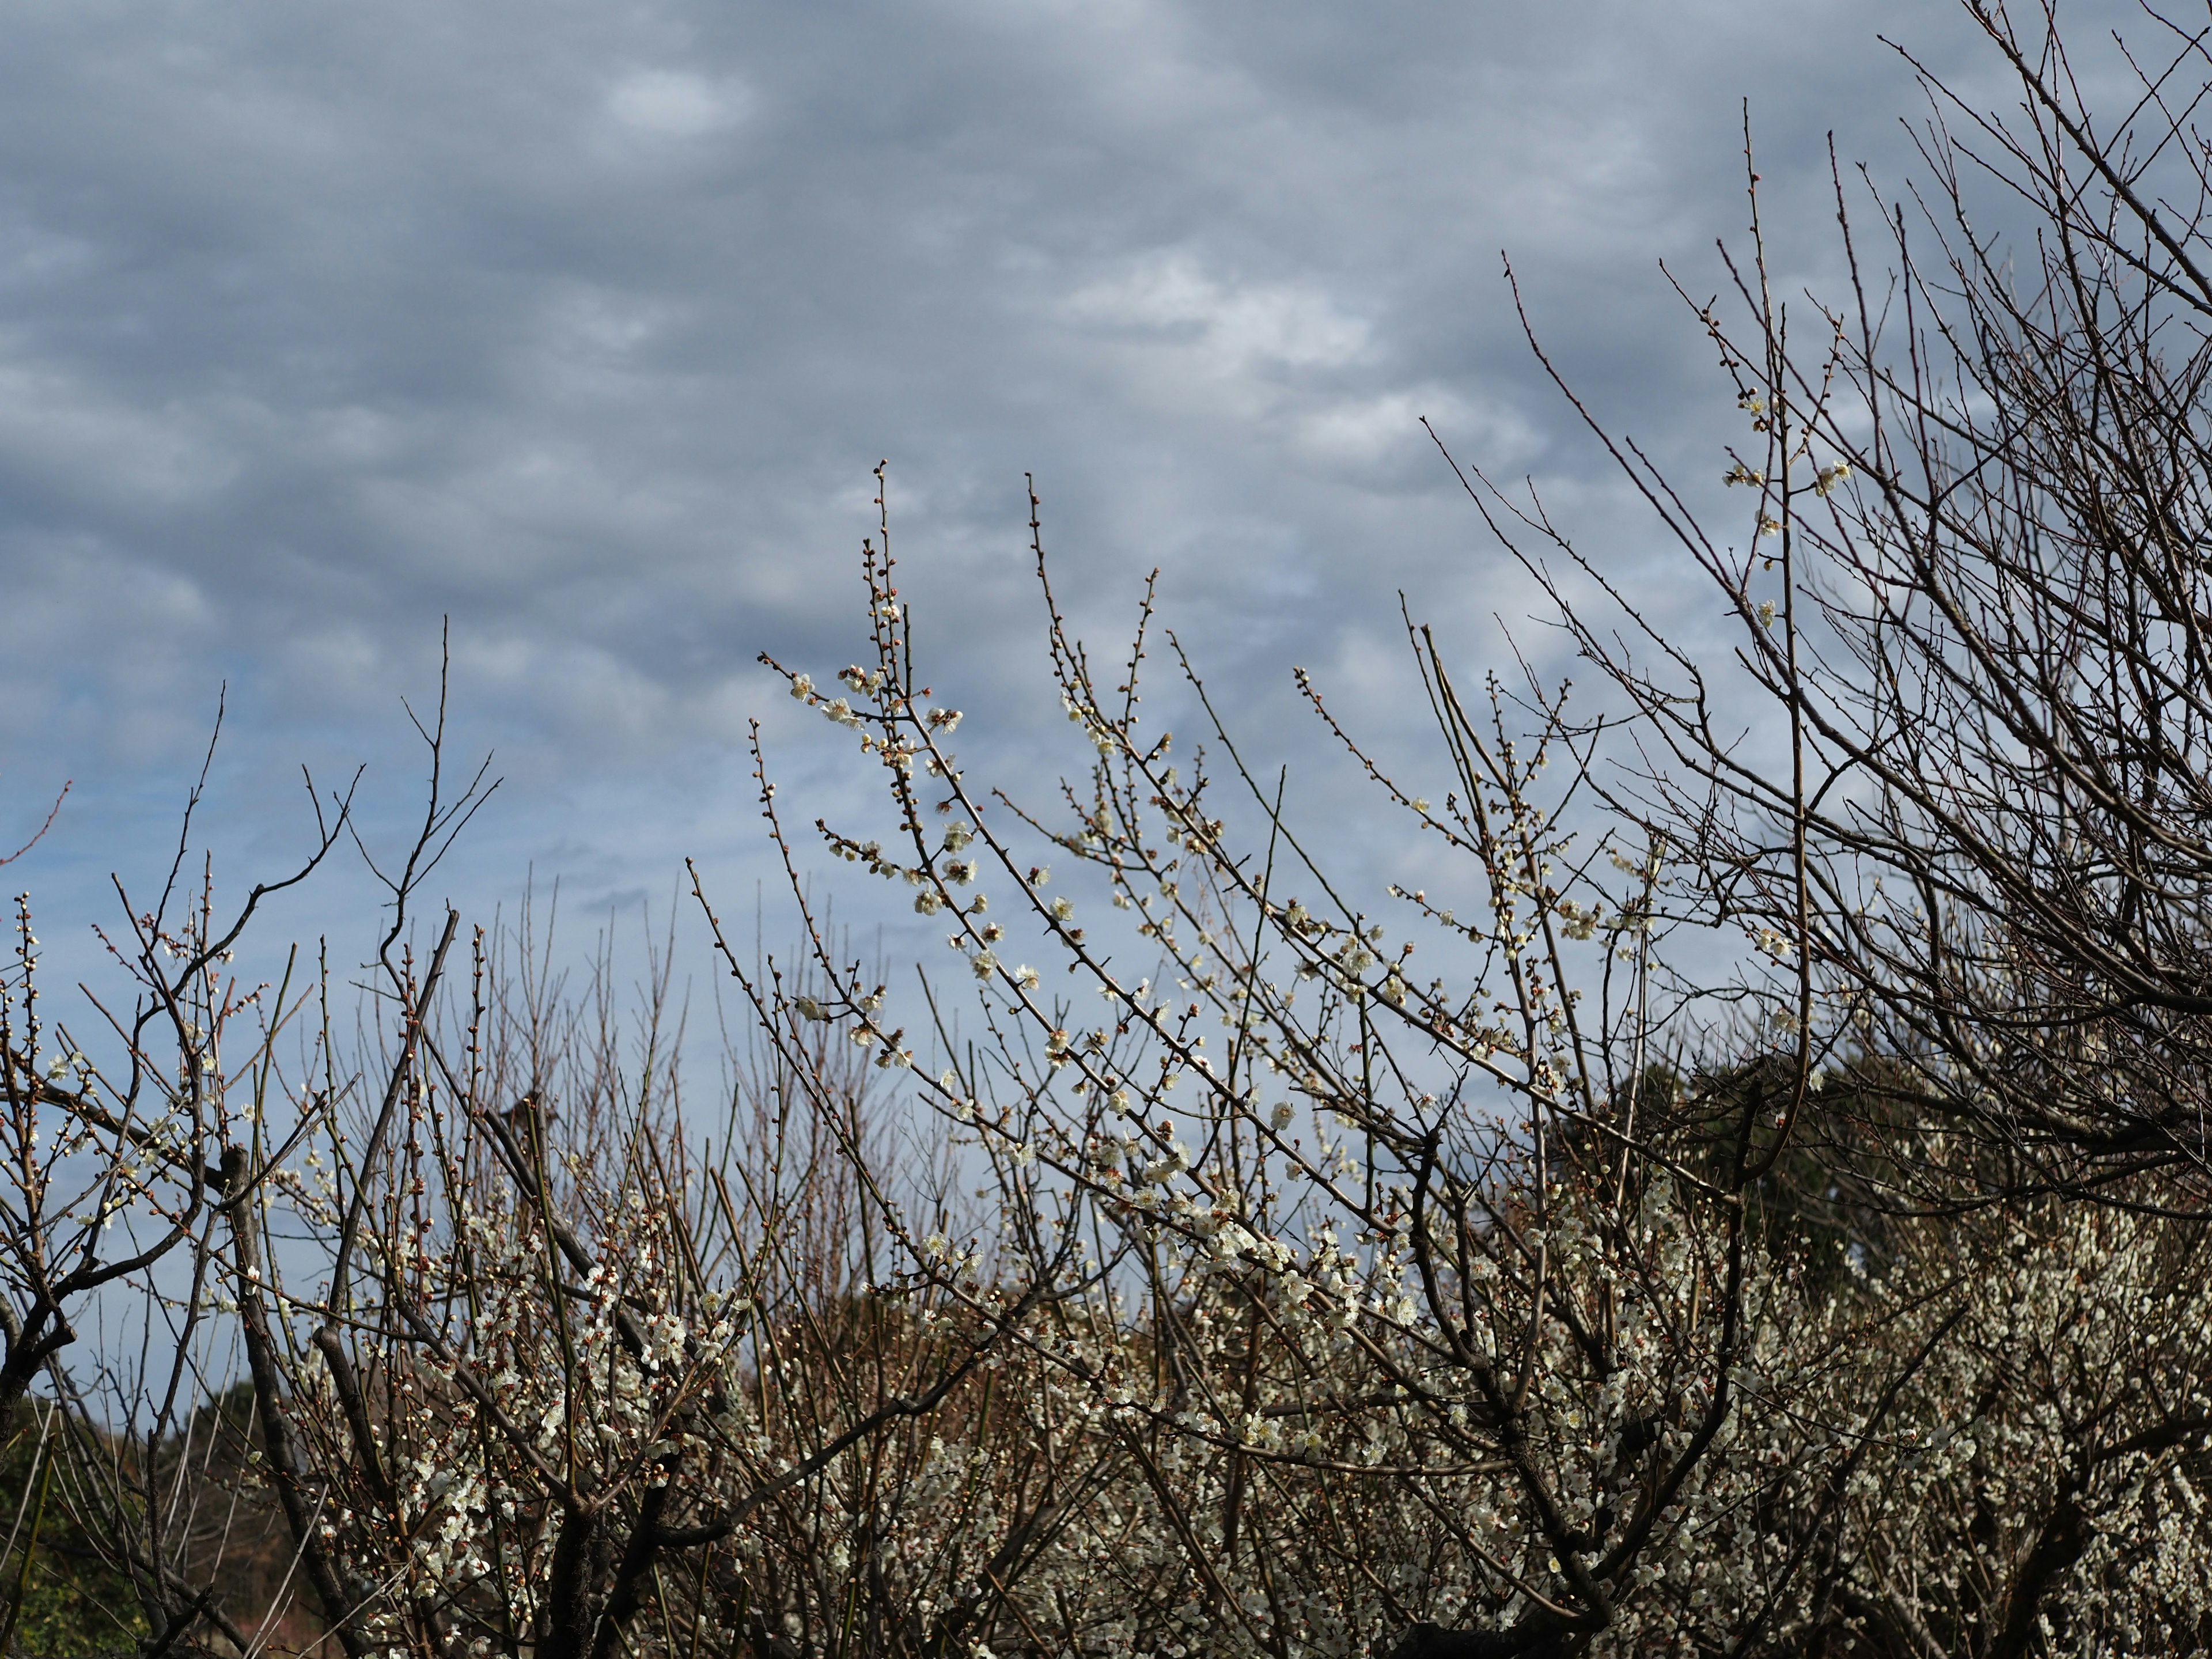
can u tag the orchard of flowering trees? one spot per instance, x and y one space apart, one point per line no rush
1198 1255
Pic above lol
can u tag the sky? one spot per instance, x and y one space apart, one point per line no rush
579 328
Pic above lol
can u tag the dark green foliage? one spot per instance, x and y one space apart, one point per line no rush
73 1600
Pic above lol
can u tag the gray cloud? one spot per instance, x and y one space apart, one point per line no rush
583 323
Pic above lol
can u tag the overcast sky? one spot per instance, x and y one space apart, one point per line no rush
584 324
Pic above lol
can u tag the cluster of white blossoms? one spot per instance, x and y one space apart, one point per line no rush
535 1390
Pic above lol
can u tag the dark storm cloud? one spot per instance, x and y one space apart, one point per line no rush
583 324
